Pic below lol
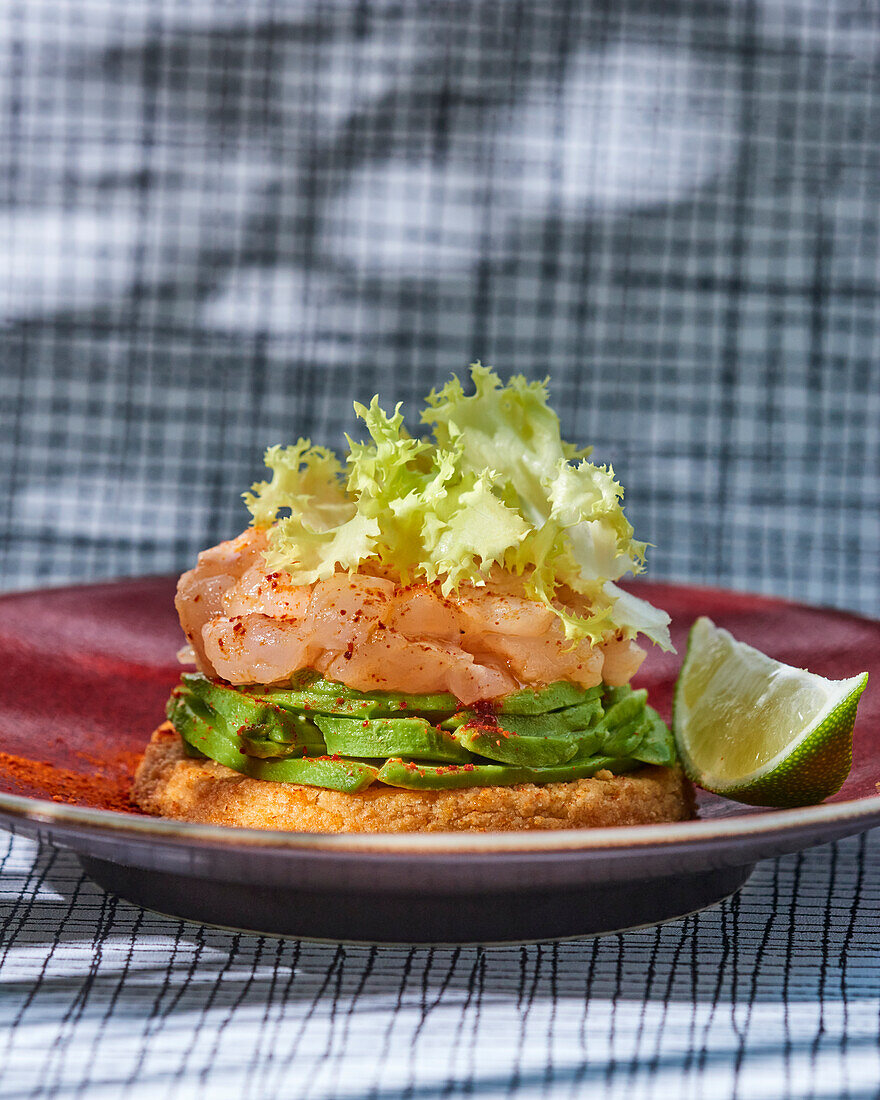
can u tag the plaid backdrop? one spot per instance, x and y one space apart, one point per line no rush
222 221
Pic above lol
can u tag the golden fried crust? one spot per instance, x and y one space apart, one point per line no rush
170 784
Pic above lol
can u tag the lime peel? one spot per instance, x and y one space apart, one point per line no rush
759 731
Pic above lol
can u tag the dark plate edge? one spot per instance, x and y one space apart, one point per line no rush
859 813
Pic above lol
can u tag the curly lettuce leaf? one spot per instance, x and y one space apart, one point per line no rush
497 487
509 429
436 519
636 616
469 532
585 500
310 556
307 482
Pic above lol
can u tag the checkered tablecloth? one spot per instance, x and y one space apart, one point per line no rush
222 220
773 994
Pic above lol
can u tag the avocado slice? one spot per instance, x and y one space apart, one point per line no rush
631 728
356 704
381 737
313 683
541 700
399 773
623 725
554 723
570 720
251 716
511 748
334 773
206 731
658 744
209 734
265 749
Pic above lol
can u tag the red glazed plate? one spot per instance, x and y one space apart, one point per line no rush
84 674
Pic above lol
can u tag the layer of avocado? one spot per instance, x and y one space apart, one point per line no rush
321 733
399 773
411 738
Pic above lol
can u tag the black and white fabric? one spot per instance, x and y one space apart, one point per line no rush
221 222
773 995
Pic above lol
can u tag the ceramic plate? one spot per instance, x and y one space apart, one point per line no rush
84 674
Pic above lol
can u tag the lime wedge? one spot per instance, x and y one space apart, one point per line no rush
757 731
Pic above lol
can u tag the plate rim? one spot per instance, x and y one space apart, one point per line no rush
858 812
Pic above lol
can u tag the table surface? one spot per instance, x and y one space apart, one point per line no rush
775 993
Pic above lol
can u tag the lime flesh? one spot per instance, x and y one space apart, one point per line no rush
759 731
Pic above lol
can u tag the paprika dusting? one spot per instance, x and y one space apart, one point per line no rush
106 789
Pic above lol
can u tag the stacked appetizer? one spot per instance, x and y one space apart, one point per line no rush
428 637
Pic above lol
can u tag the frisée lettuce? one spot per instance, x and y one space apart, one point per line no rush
495 488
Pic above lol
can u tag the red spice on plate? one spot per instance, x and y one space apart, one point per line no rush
104 790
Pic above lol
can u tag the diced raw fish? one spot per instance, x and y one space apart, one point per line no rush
514 616
256 649
623 658
248 625
201 592
420 611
